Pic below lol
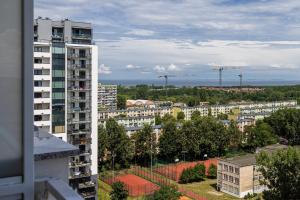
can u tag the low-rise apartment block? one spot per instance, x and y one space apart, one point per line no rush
142 112
107 97
238 176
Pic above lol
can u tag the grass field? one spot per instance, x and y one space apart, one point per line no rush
207 189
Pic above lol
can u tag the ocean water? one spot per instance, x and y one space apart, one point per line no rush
180 83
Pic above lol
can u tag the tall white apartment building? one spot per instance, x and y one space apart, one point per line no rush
107 97
65 94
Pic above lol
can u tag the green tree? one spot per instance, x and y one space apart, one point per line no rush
180 116
286 124
195 114
121 102
119 145
234 134
212 171
118 192
222 116
102 146
168 141
281 172
158 119
166 193
145 145
259 135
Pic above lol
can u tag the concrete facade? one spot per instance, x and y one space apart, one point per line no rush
66 89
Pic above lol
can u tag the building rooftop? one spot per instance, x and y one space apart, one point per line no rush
249 159
47 146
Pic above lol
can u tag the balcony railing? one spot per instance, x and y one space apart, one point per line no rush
86 185
80 164
74 175
78 109
81 36
77 55
79 132
81 141
80 67
73 77
77 88
88 194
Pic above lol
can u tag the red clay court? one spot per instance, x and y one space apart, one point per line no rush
174 171
137 186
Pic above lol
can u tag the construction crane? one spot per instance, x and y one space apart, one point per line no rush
241 80
220 69
166 77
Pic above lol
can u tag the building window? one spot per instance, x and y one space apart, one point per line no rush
236 181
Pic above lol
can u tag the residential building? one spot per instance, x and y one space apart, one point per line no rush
137 112
188 111
129 122
65 91
238 176
157 129
139 103
33 164
107 97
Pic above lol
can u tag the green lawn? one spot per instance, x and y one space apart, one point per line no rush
207 189
104 190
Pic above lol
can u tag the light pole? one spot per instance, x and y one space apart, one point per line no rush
113 164
184 152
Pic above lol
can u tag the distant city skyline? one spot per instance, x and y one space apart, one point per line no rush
141 39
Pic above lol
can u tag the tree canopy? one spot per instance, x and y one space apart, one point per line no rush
281 172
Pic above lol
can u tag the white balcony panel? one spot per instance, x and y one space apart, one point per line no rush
42 77
42 112
41 66
42 54
42 123
42 100
42 89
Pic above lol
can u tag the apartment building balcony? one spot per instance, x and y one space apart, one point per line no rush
78 141
79 67
85 152
88 194
77 88
79 132
74 164
78 110
42 54
42 77
42 66
57 35
79 78
82 36
87 184
81 56
76 175
42 123
42 89
79 121
42 112
42 100
79 99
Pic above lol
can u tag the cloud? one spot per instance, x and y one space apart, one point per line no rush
159 69
132 67
141 32
104 69
168 69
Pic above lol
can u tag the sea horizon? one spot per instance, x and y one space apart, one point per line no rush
192 83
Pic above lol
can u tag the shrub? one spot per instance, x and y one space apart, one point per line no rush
194 174
212 171
166 192
119 191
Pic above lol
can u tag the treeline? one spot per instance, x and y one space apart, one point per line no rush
197 139
193 95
